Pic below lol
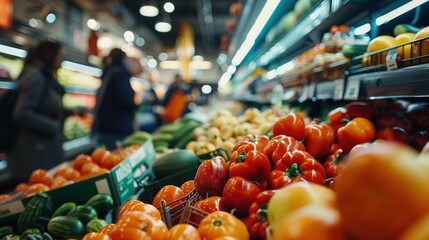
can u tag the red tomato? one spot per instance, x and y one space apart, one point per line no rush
211 176
292 125
239 193
295 167
281 144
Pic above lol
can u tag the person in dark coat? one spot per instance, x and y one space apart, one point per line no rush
38 113
115 107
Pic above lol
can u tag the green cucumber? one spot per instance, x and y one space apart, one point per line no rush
170 128
163 137
64 227
64 209
174 162
101 202
353 50
181 144
95 225
84 213
6 230
185 130
404 28
161 148
33 210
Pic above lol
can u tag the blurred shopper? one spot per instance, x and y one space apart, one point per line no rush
175 100
38 113
115 106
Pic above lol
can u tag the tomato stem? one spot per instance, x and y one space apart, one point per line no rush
217 223
240 158
294 170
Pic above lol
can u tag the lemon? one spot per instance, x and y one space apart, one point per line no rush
377 44
404 52
421 48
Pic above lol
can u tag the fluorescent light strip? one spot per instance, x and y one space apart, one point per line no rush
362 29
196 65
82 68
169 64
285 67
224 79
271 74
13 51
254 32
399 11
231 69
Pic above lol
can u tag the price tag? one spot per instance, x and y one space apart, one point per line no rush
338 89
311 90
391 59
304 94
352 90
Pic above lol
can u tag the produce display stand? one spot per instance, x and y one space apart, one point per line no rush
119 183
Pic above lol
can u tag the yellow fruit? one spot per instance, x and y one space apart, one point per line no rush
417 231
404 52
377 44
421 48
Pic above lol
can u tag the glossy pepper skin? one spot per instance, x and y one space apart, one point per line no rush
211 176
358 130
318 140
258 215
281 144
395 134
296 166
249 163
239 193
359 109
292 125
334 163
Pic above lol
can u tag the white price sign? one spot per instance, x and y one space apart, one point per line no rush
311 90
338 89
352 90
391 59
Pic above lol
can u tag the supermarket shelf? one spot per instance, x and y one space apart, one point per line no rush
81 90
77 146
407 82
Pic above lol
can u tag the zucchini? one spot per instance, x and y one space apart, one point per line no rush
95 225
404 28
174 162
84 213
64 209
185 130
353 50
6 230
101 202
35 208
181 144
163 137
64 227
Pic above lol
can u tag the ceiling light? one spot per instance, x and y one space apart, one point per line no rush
149 11
206 89
151 63
169 7
231 69
51 18
170 64
362 29
93 24
129 36
104 42
163 56
197 58
200 65
224 79
162 26
271 74
285 68
93 71
126 47
254 32
140 42
399 11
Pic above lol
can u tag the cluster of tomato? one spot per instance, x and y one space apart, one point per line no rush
82 167
138 220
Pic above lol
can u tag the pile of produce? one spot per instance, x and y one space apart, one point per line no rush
82 167
77 126
40 220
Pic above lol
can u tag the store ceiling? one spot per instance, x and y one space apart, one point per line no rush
195 12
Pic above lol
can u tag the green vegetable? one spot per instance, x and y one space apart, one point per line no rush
66 227
405 28
353 50
6 230
35 208
95 225
174 162
84 213
102 203
64 209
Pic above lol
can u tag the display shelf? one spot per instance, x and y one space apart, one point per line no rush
301 37
407 82
80 90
